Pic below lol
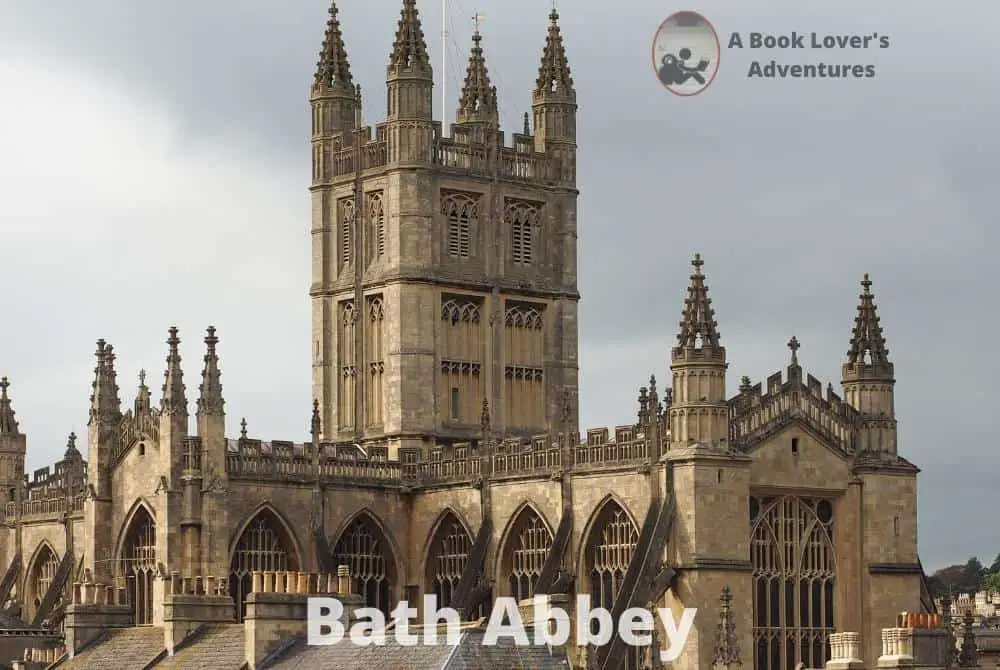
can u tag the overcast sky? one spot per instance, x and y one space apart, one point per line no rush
154 161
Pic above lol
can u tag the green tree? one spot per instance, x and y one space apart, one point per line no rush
991 581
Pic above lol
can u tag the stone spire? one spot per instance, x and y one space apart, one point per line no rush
72 453
104 401
409 50
174 401
867 339
333 71
478 102
8 424
698 325
210 400
554 78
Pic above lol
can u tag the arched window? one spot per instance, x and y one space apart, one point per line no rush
376 226
138 565
347 379
521 219
365 550
524 376
345 233
609 551
462 387
375 361
526 549
43 572
794 572
449 553
460 212
263 546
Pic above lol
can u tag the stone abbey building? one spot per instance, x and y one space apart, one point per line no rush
445 455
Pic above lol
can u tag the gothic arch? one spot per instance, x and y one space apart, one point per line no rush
139 504
525 543
41 569
593 527
264 541
793 557
364 544
445 554
136 562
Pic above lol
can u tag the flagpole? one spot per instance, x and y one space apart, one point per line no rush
444 61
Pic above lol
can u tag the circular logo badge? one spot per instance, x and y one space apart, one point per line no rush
686 53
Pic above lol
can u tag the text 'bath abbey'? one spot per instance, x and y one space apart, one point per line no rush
445 454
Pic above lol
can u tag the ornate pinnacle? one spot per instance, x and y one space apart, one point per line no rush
745 385
8 424
867 339
527 125
698 324
554 78
484 418
174 401
104 401
210 400
409 50
333 72
243 428
143 402
727 650
478 102
71 451
315 424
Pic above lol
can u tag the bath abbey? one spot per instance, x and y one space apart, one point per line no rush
444 455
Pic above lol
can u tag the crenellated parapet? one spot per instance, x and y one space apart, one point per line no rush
755 414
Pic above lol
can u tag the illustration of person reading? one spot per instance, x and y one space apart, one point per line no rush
675 71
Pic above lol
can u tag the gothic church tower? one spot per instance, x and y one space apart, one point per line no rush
444 264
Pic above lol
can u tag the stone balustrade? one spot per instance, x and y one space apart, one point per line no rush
196 586
94 593
303 583
45 656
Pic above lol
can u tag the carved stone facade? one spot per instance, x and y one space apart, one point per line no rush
445 454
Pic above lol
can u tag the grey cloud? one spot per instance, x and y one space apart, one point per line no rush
791 191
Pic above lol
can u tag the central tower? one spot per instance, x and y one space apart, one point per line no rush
444 277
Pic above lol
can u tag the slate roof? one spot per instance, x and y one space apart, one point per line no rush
119 649
216 646
469 654
10 624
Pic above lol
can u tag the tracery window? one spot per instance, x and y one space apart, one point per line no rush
447 559
376 226
609 553
524 377
138 565
529 546
365 551
521 219
463 386
374 361
345 233
263 546
348 372
45 568
460 211
794 574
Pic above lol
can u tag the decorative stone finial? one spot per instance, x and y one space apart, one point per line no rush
793 345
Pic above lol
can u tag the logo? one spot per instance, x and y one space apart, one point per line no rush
686 53
328 623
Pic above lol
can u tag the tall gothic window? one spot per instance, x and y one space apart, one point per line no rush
43 572
447 558
345 231
365 550
460 213
263 546
375 361
527 548
524 379
794 572
609 552
348 373
376 226
521 219
462 340
138 564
